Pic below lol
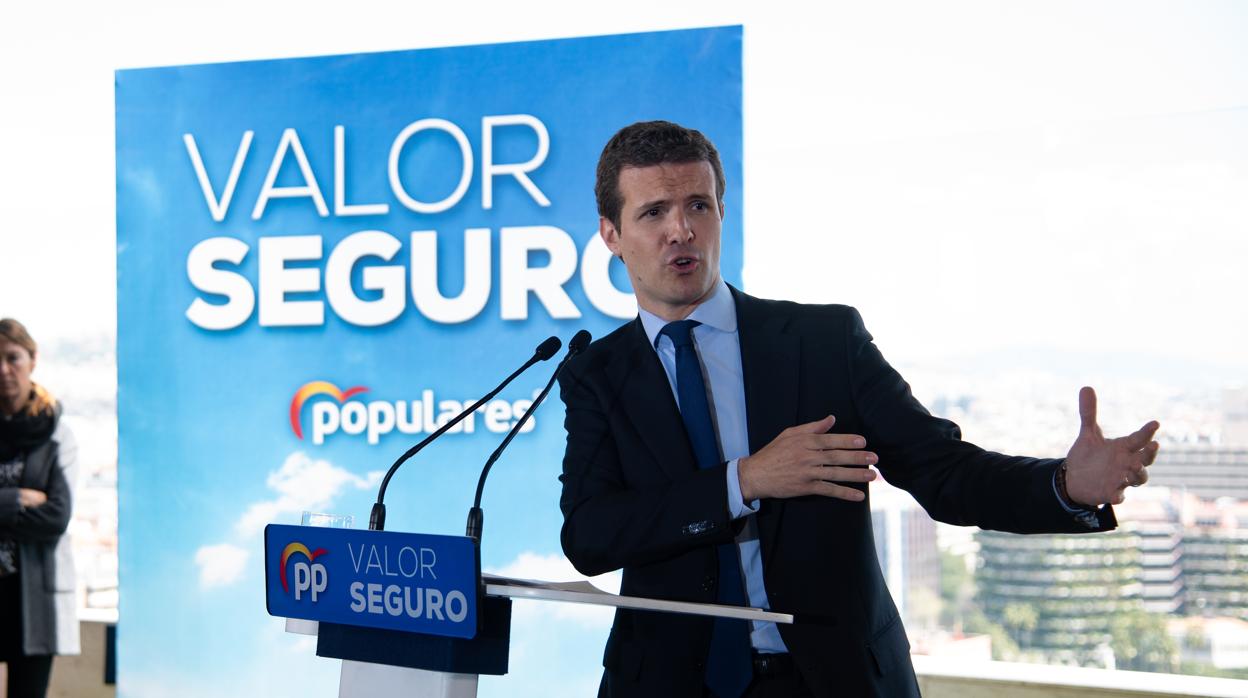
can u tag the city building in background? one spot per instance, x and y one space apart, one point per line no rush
1167 591
1206 471
1152 517
1221 643
1215 564
1057 595
905 544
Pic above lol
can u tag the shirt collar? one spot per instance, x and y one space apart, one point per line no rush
719 311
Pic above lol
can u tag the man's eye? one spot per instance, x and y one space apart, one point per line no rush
699 205
651 213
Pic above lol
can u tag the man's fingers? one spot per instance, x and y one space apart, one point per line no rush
822 457
1150 452
1135 476
816 427
837 474
858 458
1142 437
831 442
1087 408
849 494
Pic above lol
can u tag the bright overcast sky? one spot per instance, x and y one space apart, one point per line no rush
973 175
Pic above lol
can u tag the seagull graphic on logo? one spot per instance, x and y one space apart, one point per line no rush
310 390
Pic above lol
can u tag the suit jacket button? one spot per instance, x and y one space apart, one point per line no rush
708 583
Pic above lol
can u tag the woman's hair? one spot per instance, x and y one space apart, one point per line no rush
13 331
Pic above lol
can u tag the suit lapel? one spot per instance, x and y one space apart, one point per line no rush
770 370
646 398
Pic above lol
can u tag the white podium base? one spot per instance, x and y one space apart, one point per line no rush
366 680
302 627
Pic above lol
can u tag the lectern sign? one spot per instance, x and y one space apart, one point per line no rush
379 579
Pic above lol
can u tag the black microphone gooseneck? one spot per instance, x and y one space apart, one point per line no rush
476 517
377 517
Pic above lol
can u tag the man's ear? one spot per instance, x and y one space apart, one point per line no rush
610 235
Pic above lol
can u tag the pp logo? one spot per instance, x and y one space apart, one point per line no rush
310 577
311 390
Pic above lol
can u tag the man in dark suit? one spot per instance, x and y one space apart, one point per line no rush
718 448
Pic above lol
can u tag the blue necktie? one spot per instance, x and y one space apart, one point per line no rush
728 668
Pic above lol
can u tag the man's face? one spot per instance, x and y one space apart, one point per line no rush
668 235
16 365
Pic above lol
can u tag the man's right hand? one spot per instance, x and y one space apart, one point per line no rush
805 460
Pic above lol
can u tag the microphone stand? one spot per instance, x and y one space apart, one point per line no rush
476 517
377 517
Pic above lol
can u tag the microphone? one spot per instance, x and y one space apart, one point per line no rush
476 517
580 340
377 517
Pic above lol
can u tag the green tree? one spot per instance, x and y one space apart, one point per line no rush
960 612
1140 642
1004 649
957 591
1020 619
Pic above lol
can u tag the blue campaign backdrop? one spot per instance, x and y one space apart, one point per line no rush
308 276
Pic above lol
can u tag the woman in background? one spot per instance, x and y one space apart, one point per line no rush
38 460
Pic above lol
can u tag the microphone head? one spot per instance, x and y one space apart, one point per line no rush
579 341
547 349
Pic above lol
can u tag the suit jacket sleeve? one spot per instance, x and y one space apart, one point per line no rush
619 510
955 481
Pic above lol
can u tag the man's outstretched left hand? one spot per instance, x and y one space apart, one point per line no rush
1098 470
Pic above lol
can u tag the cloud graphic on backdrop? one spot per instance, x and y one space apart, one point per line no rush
557 568
302 484
220 565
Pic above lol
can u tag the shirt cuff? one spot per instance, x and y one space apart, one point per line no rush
736 505
1087 517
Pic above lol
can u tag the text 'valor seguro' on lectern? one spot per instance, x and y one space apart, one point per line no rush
411 614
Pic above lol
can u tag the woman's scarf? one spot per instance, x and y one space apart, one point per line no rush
24 432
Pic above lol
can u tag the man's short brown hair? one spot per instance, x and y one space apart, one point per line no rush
644 144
